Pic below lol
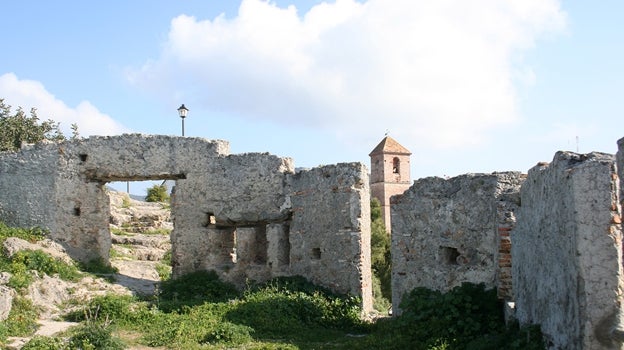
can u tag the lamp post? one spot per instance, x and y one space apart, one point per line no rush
182 112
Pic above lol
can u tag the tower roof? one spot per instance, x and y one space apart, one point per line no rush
389 145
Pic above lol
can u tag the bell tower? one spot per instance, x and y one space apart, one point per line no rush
390 173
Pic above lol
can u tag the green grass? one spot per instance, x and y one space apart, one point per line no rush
198 311
31 235
22 320
23 262
158 231
120 232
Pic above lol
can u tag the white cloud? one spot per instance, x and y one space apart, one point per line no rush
30 93
438 73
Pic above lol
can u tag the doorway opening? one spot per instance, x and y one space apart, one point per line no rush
140 231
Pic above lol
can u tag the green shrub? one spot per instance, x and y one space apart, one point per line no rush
22 262
229 333
157 193
45 343
195 288
164 271
43 262
31 235
94 336
461 315
467 317
106 308
291 305
22 320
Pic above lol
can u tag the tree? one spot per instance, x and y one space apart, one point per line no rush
157 193
381 262
19 127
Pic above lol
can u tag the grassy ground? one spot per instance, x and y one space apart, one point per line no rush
200 312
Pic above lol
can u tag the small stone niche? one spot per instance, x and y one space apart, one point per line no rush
449 255
316 253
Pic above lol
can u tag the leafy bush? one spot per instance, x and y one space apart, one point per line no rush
164 271
45 343
94 336
22 262
292 305
19 127
106 308
229 333
43 262
461 315
22 320
463 318
193 289
157 193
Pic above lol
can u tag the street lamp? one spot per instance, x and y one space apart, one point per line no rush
182 112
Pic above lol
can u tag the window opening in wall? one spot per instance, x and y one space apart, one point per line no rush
83 157
449 255
316 253
77 211
210 220
396 165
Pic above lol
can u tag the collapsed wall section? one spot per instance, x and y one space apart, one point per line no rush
567 251
447 232
330 228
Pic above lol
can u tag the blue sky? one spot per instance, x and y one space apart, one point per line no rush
476 86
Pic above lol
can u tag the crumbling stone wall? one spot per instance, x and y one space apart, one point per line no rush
446 232
330 228
567 251
246 216
620 167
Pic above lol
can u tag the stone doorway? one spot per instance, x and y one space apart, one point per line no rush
140 234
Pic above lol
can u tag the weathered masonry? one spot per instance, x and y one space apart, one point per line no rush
246 216
549 241
567 252
446 232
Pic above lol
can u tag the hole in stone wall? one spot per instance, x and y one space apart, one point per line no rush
77 211
83 157
316 253
210 220
449 255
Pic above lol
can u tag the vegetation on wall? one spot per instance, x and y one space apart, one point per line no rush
19 127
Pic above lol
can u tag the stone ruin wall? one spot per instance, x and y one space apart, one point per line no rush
446 232
567 251
555 236
246 216
249 216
